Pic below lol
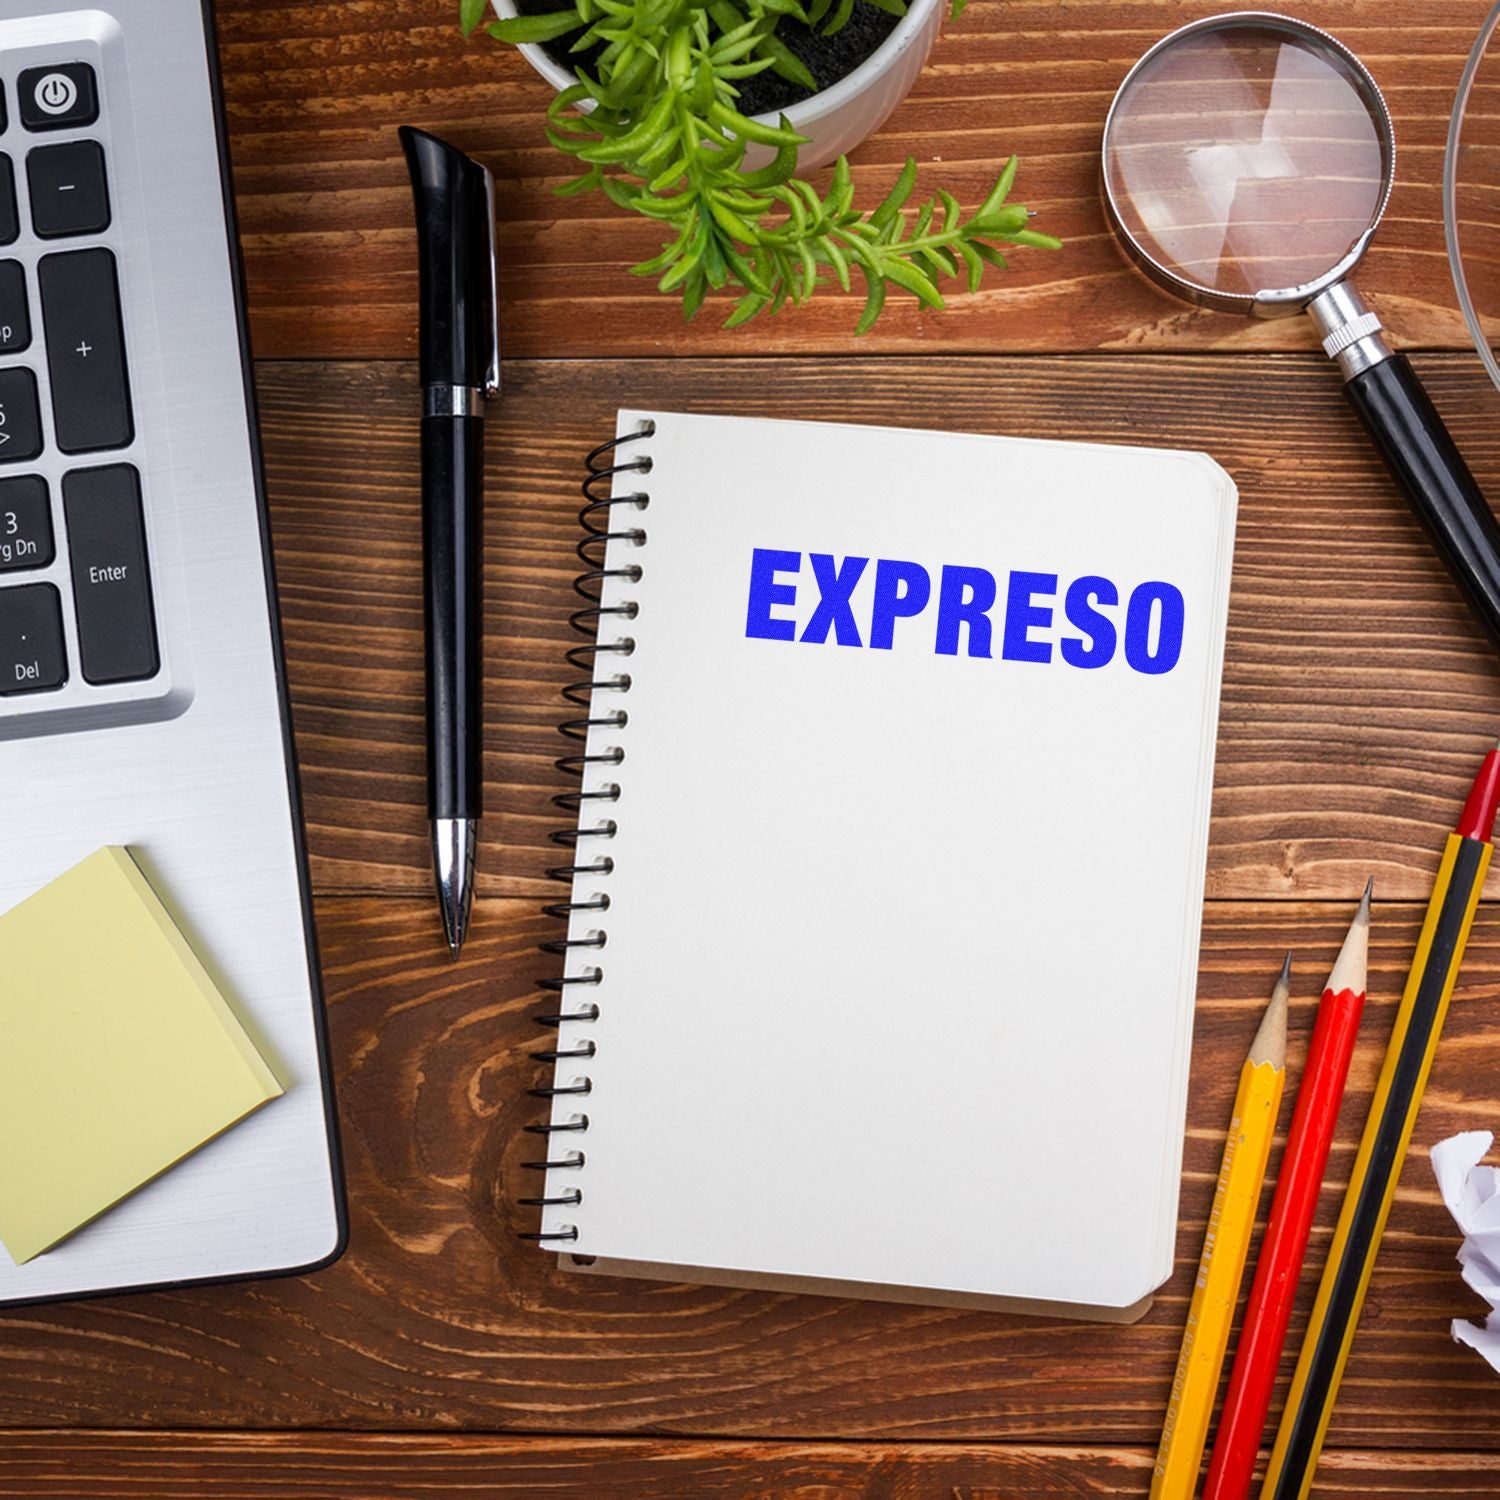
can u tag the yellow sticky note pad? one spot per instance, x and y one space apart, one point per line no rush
119 1056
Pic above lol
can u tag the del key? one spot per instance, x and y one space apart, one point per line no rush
85 350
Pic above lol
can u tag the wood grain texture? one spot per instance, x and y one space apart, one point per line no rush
438 1318
388 1466
315 91
1358 696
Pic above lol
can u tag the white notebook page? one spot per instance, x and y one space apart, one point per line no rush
902 945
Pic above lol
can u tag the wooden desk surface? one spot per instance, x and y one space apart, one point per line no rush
440 1356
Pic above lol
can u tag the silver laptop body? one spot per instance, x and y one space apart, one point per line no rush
142 696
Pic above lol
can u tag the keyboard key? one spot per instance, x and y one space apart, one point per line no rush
57 96
32 656
68 192
4 118
20 417
10 218
85 350
25 523
111 577
15 315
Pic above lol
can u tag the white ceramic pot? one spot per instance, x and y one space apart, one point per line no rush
839 118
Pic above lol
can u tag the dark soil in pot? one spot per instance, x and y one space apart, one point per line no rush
827 58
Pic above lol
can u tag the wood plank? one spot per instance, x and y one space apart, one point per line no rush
388 1466
439 1318
1358 696
314 95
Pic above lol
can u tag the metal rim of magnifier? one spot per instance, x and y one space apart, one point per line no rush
1271 302
1450 196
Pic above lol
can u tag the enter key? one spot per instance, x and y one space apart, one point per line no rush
111 574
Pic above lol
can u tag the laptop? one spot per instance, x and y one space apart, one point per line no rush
142 692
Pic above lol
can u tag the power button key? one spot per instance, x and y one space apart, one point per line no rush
58 96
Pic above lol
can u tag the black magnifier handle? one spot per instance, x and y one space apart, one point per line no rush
1418 450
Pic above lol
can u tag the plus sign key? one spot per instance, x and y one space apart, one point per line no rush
85 350
57 96
32 656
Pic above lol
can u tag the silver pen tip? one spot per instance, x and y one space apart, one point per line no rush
453 847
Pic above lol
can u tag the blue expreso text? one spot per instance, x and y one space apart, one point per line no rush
1021 616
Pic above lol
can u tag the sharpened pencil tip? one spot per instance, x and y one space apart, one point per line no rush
1269 1045
1352 964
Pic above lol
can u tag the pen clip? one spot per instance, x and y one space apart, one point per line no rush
492 371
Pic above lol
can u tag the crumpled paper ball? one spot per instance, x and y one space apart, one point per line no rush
1472 1193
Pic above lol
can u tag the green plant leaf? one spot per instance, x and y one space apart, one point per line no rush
746 308
970 257
840 190
777 171
691 263
1001 190
470 14
714 266
731 223
669 176
618 191
904 274
894 201
746 270
786 62
940 259
747 129
668 255
841 15
564 100
874 302
1011 218
1036 239
576 185
796 214
839 262
745 70
534 28
809 269
637 139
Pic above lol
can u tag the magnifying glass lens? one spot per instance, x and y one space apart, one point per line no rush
1246 159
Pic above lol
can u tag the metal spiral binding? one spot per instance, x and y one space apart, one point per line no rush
596 518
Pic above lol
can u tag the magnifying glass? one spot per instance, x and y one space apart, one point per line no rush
1247 161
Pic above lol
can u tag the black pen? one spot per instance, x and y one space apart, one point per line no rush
460 371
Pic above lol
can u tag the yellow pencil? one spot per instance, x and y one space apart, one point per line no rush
1225 1248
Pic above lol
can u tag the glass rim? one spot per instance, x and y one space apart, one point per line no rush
1450 195
1268 301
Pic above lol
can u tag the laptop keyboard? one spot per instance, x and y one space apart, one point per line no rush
60 314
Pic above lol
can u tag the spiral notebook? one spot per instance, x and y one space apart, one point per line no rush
888 871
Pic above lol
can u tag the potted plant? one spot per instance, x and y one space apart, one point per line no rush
696 113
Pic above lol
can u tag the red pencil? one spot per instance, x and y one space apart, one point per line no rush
1269 1309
